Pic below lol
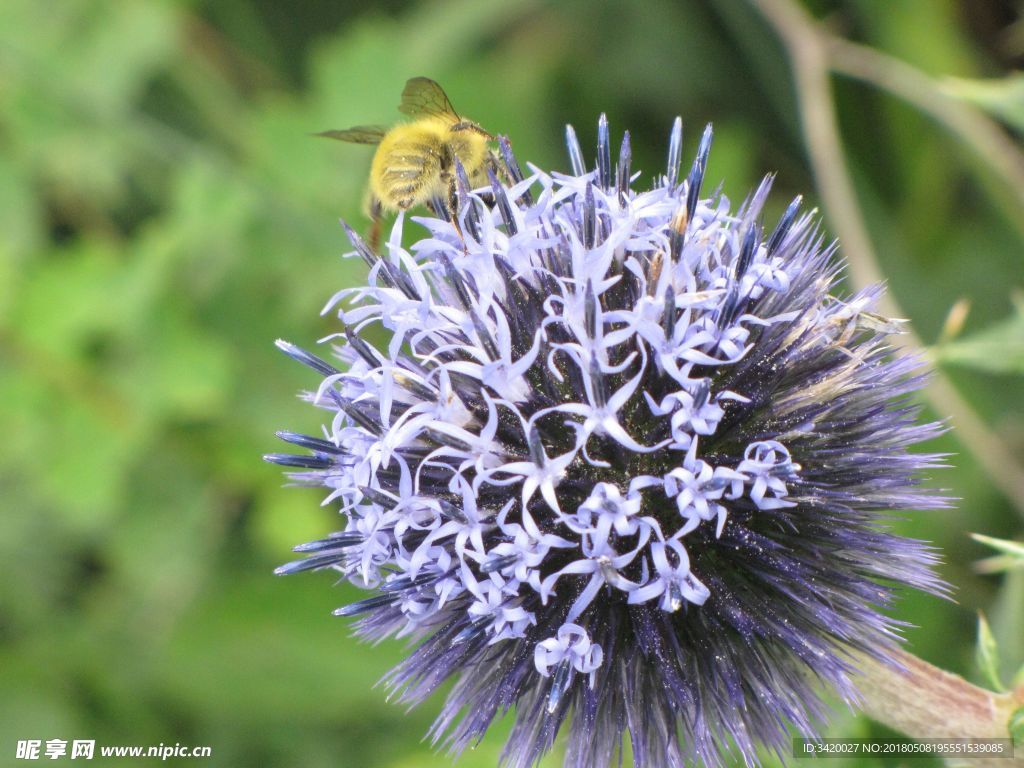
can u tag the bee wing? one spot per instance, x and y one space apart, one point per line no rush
360 134
422 96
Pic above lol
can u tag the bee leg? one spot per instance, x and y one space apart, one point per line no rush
450 182
495 163
447 162
453 197
376 215
452 203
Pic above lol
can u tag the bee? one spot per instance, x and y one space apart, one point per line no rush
415 161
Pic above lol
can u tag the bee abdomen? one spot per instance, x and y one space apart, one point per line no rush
409 166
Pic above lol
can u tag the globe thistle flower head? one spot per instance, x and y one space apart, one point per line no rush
624 465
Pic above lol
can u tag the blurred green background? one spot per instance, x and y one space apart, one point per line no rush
164 216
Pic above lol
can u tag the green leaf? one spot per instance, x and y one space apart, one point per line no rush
1003 98
1016 724
997 349
1006 612
986 655
1012 548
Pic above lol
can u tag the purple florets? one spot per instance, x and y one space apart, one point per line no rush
624 464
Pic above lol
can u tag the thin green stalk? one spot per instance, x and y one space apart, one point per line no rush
808 46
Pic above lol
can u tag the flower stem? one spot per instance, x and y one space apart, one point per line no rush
923 701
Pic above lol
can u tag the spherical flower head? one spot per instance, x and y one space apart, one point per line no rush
623 463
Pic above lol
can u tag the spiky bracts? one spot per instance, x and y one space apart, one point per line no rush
624 465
